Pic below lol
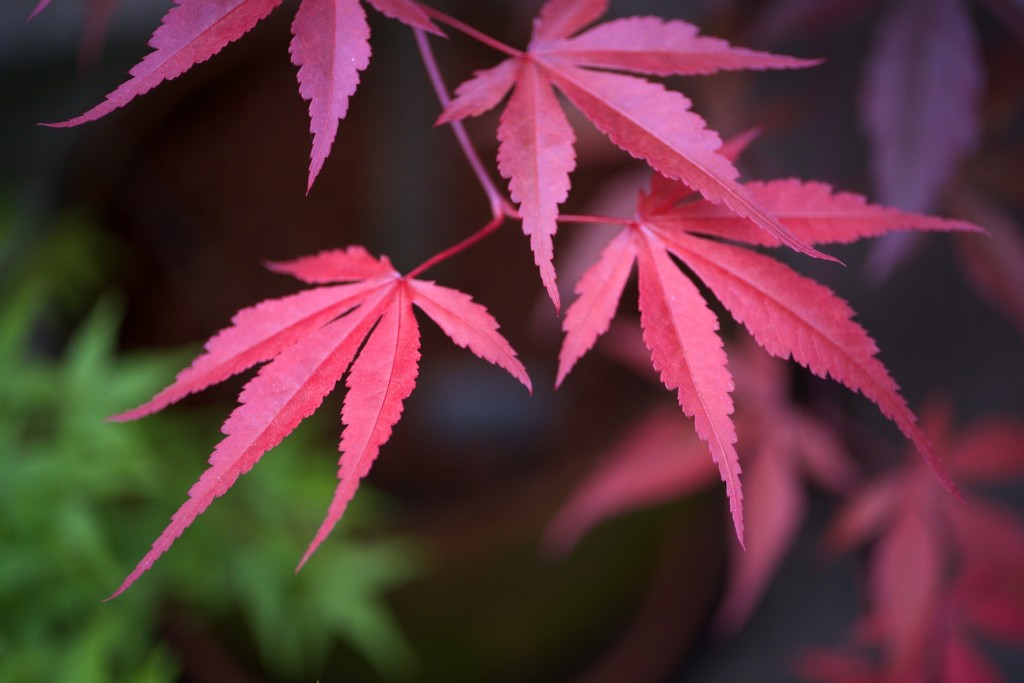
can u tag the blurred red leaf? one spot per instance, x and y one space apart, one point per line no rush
940 569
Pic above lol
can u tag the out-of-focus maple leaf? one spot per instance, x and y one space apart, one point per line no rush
330 45
788 314
365 325
98 15
790 446
940 571
993 267
922 89
536 150
40 6
921 107
793 17
659 460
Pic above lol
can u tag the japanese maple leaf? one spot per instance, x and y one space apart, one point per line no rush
40 6
994 267
939 571
921 109
330 45
98 15
361 321
655 461
921 99
788 314
792 17
535 151
659 460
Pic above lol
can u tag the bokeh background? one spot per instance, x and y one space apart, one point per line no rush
126 242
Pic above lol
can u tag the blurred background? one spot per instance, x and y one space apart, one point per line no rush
126 242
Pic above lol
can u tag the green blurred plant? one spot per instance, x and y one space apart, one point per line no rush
80 498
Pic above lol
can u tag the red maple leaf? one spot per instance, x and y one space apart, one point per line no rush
921 108
921 99
655 461
939 571
364 325
96 20
330 45
788 314
659 460
643 118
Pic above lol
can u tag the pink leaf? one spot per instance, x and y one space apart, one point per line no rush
382 378
469 325
785 18
991 451
665 192
655 46
775 505
994 267
657 125
791 315
272 404
330 45
311 338
43 4
599 290
680 331
408 12
562 18
921 99
257 334
810 210
482 92
822 456
192 32
95 27
837 667
906 583
336 265
962 663
865 514
536 155
657 460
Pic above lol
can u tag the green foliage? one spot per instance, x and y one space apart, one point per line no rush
80 499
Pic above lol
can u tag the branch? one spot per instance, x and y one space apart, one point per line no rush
500 206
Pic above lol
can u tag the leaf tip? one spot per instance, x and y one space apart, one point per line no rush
814 253
309 552
737 520
133 414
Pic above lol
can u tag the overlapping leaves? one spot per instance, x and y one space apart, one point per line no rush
649 122
788 314
940 573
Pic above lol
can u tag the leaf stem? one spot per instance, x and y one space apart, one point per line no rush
499 205
483 232
471 32
578 218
